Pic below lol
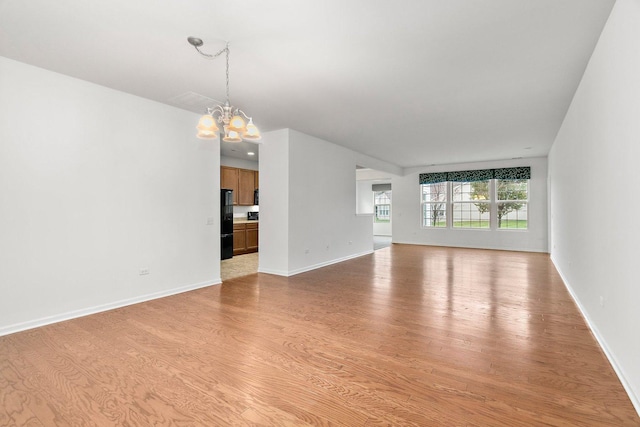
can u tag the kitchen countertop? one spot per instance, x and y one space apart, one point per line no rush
245 221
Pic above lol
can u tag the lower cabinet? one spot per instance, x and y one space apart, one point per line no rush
245 238
252 237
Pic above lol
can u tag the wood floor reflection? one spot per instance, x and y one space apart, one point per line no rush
409 335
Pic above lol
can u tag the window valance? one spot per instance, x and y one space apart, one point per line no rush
523 172
381 187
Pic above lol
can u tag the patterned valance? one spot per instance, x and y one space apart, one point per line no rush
433 178
470 176
513 173
476 175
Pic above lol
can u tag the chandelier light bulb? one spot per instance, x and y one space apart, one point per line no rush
237 124
232 136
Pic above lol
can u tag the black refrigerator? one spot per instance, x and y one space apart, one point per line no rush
226 223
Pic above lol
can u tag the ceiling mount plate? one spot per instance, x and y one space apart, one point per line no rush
195 41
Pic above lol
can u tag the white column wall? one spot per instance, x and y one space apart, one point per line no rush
96 185
593 175
364 197
274 203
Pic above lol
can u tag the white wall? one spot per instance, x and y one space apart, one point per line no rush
307 185
593 174
97 184
383 228
323 226
407 212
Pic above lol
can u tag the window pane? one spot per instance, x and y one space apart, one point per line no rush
512 215
382 213
382 197
382 206
471 215
434 215
473 207
434 192
512 189
434 206
468 191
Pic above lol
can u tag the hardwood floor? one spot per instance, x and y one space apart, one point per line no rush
409 335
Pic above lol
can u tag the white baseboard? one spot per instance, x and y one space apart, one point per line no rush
275 272
43 321
314 266
635 400
326 263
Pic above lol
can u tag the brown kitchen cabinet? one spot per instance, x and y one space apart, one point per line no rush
239 239
246 186
229 180
252 237
245 238
243 182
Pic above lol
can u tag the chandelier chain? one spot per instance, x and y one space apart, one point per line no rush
227 49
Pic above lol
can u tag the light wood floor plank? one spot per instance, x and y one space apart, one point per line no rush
407 336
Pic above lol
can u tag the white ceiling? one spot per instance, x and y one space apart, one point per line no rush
413 82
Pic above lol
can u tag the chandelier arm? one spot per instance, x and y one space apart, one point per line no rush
217 109
243 113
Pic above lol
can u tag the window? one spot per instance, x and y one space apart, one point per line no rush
477 199
513 196
382 206
471 204
434 205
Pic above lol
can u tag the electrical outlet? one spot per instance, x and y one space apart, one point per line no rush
210 220
601 301
144 271
306 251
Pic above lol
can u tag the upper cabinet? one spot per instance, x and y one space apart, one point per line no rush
229 180
243 182
247 186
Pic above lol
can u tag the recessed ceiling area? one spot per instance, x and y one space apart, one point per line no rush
412 83
240 150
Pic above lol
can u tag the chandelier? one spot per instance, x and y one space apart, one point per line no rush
236 129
